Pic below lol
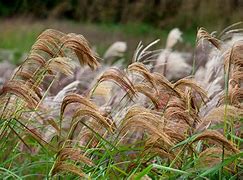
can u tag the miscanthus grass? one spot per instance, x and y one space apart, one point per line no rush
60 119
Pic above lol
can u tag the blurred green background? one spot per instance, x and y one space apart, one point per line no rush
103 22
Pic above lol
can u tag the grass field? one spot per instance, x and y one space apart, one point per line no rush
67 114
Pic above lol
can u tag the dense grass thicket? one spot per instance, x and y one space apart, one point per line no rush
65 113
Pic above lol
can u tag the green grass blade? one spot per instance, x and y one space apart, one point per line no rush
144 172
10 173
170 169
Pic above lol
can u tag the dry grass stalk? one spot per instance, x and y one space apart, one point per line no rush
67 167
60 64
86 108
182 83
141 69
215 136
203 34
75 98
141 118
217 115
120 79
234 55
149 92
23 91
81 48
95 114
233 66
73 154
165 86
156 146
211 157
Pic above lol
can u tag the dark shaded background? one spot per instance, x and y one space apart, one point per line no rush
185 14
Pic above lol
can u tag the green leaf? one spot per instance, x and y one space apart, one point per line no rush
170 169
144 172
186 141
